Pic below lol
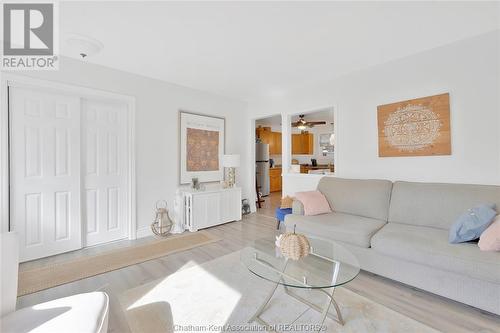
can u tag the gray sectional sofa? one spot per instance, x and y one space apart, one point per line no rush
400 231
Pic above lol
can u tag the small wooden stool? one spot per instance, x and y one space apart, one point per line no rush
259 200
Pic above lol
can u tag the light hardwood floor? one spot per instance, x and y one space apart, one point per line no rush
272 201
435 311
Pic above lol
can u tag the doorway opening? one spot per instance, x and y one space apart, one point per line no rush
312 138
268 164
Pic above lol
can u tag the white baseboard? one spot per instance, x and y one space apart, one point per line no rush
144 232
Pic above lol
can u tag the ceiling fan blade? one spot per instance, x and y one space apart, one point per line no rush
316 123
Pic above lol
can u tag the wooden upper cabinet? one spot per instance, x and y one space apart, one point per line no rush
308 141
303 144
275 145
264 134
273 139
296 144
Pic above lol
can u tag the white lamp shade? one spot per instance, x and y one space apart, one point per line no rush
231 161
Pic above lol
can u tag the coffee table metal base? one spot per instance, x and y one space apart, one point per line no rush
324 311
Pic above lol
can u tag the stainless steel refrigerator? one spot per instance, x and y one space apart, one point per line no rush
262 167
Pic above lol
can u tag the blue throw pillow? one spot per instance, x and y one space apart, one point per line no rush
470 225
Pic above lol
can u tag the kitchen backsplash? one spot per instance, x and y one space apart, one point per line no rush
276 159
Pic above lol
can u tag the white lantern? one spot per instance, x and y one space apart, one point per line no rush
162 223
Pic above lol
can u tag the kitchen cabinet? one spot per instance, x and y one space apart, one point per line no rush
296 144
275 145
303 144
275 182
273 139
264 134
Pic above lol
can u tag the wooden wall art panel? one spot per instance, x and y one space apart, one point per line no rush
416 127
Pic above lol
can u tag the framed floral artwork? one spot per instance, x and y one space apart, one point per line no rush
201 147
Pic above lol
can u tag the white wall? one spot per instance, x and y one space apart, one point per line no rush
469 70
298 182
157 107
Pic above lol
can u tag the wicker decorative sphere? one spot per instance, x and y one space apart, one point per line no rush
294 246
286 202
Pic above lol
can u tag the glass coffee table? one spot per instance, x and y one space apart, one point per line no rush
327 266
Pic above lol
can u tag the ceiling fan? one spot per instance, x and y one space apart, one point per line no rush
302 124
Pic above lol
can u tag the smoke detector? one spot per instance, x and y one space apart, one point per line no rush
83 46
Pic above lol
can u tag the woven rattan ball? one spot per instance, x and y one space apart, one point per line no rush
286 202
294 246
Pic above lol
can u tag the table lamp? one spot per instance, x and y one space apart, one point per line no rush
231 162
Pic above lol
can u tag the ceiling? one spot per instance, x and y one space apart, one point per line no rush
318 115
251 50
274 121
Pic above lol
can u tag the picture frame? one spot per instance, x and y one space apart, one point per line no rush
325 144
415 127
202 143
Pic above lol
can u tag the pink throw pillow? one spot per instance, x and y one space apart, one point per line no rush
314 202
490 238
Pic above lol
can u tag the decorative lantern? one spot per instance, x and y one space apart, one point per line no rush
162 224
245 207
294 246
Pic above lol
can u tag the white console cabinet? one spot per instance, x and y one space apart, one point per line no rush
203 209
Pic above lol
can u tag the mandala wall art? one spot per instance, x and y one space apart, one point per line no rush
417 127
201 147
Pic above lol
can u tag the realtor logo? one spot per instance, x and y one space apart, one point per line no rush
29 36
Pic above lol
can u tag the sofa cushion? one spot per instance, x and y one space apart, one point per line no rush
437 205
297 207
87 312
352 229
363 197
471 224
430 247
490 238
314 202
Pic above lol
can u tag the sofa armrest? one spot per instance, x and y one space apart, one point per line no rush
297 207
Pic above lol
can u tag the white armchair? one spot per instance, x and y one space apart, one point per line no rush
85 313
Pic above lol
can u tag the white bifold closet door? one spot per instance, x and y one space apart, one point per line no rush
68 171
44 172
105 169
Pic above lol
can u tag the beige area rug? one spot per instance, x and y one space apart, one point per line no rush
37 279
221 295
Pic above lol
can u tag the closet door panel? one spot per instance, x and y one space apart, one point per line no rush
104 127
44 172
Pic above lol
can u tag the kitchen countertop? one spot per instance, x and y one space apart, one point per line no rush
319 166
309 166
